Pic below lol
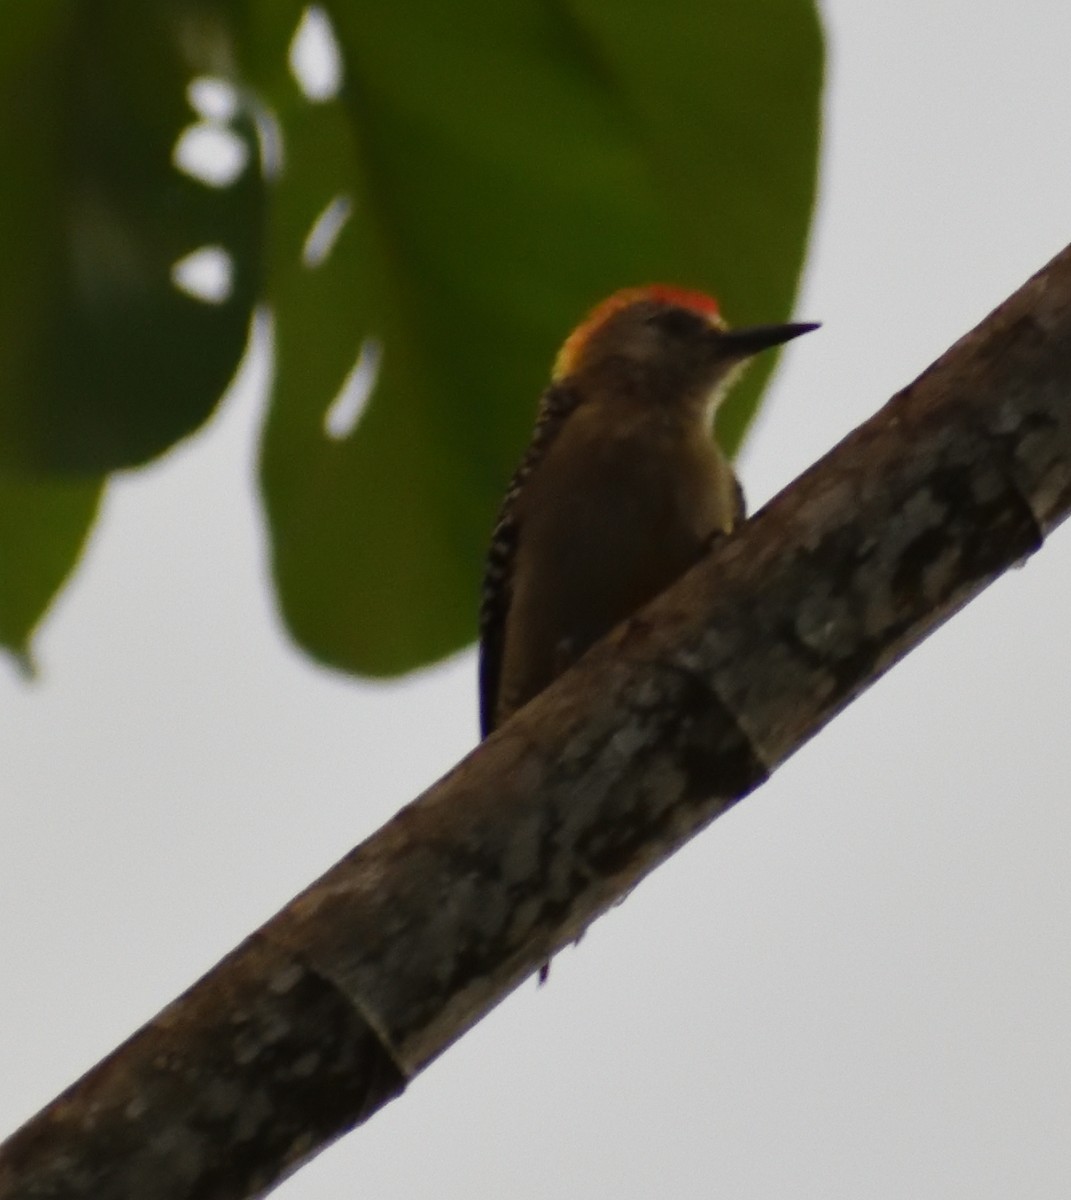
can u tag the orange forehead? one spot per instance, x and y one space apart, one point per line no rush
662 293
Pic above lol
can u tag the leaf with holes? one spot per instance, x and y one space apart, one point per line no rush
459 188
128 282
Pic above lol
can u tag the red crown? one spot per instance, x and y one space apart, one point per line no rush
664 293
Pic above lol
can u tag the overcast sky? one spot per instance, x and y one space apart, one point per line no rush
855 984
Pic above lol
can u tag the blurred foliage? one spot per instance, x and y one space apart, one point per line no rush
42 530
446 206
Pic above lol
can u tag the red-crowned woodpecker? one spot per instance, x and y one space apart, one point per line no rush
622 487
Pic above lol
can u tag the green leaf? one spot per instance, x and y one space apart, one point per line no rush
104 362
504 165
42 528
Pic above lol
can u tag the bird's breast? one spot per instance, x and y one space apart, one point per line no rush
607 523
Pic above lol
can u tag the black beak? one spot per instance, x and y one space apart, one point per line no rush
743 343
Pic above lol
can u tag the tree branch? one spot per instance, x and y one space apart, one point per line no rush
324 1013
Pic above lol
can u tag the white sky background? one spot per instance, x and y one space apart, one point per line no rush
855 984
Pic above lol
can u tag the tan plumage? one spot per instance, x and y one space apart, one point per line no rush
621 489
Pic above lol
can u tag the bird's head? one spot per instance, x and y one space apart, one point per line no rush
663 341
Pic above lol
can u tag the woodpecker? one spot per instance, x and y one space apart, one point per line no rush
622 487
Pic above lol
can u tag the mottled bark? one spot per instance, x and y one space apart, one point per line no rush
367 976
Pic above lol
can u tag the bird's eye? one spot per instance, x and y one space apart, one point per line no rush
679 322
